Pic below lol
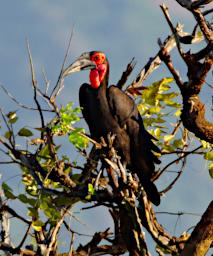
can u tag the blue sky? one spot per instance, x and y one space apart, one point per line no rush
122 29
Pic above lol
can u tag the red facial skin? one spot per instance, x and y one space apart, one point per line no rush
97 75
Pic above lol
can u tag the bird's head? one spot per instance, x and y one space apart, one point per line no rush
96 62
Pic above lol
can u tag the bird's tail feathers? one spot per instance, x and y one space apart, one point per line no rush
150 189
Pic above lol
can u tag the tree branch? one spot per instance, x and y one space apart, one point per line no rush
202 236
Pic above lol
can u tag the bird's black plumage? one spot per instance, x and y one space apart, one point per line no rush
109 109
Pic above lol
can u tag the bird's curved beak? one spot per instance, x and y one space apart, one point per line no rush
82 63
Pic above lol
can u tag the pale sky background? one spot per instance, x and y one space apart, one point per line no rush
122 29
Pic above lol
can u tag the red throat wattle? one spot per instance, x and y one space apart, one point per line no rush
97 75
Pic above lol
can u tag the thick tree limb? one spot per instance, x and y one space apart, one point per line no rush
5 225
202 236
193 112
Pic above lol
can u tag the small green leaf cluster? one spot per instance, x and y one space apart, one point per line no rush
11 119
68 117
208 155
158 105
154 100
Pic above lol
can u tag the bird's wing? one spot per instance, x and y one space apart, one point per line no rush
121 105
87 107
125 111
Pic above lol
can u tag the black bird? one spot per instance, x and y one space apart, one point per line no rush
109 109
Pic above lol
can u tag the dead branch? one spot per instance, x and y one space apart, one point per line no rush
59 85
153 63
126 73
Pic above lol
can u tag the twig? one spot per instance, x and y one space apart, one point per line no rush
47 82
9 127
174 30
19 103
158 174
34 83
53 238
71 244
24 238
14 214
58 85
175 179
164 55
97 145
179 213
153 63
75 232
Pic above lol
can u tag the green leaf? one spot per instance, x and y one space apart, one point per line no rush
8 192
167 148
167 96
154 110
208 156
44 151
33 212
178 143
37 225
91 189
8 135
77 139
14 120
168 138
24 199
206 144
63 201
211 170
25 132
12 117
172 104
157 133
178 113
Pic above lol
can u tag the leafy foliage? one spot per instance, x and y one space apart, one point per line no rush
63 126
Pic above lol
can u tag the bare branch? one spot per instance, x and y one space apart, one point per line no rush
5 225
19 103
126 73
59 85
34 83
153 63
6 208
203 24
158 174
174 31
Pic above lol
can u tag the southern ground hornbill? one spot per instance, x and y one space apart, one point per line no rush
109 109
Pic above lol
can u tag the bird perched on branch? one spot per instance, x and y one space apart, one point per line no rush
109 109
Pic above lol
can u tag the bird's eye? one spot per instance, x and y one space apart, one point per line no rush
98 58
